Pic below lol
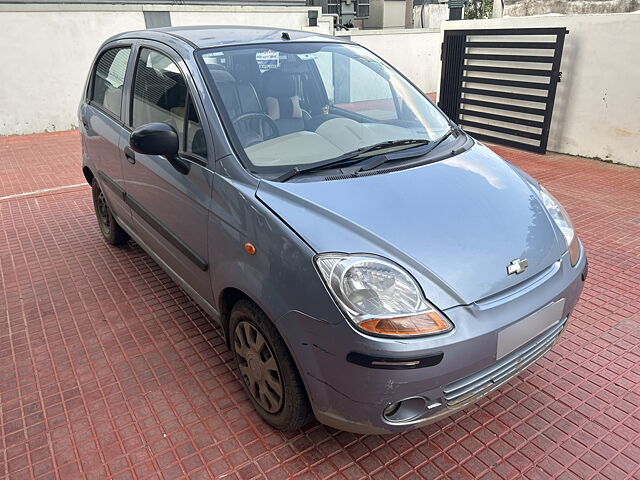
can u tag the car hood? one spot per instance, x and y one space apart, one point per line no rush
454 224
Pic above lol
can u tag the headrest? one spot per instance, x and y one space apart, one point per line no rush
283 107
278 84
220 75
248 98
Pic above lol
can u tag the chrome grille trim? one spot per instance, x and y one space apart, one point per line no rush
467 390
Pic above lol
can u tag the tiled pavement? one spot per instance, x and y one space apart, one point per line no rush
107 369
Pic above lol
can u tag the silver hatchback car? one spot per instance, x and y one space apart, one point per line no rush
370 263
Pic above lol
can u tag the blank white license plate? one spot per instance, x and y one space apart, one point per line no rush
528 328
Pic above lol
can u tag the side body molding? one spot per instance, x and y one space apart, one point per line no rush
157 225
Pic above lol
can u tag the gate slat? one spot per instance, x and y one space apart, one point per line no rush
498 128
504 141
526 45
514 96
501 118
536 72
506 83
510 58
504 106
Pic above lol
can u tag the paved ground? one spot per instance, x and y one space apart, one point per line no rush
107 369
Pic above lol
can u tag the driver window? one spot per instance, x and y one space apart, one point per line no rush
159 93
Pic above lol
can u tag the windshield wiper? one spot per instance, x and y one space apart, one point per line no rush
382 159
346 159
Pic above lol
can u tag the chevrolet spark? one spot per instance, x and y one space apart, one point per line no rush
370 263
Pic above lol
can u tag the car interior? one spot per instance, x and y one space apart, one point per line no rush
281 113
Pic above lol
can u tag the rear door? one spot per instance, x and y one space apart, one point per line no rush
103 123
170 209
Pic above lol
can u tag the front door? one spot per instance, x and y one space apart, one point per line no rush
170 209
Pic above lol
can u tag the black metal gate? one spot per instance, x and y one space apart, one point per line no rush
500 84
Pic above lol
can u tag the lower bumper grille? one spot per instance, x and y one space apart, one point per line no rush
466 391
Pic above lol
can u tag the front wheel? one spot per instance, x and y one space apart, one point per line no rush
266 369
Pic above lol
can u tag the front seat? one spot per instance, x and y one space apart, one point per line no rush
282 101
239 98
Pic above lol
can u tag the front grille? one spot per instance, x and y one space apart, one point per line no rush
466 391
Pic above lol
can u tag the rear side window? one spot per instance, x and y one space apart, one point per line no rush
108 79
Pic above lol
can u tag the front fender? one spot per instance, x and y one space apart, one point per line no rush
280 276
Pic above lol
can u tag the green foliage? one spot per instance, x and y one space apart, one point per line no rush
478 9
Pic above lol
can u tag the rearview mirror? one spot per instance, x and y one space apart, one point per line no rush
158 139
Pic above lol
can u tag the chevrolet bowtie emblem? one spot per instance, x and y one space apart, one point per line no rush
517 266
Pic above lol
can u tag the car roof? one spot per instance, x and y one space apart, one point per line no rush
206 36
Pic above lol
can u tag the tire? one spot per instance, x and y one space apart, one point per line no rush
262 367
112 233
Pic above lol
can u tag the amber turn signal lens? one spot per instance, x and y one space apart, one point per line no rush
574 251
419 324
250 248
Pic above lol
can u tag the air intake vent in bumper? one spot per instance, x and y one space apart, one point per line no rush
468 390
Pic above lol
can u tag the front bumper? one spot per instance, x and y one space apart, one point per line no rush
352 397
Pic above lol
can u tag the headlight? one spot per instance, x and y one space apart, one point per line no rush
561 217
379 297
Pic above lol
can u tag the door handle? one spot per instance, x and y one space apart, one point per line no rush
130 154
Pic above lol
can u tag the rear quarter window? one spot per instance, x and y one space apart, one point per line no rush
108 79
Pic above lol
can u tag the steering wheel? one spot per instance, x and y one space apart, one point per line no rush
263 117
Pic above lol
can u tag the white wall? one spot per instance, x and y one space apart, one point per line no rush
393 16
597 108
519 8
45 61
46 51
416 53
431 16
280 17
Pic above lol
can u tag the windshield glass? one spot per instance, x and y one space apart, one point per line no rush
294 104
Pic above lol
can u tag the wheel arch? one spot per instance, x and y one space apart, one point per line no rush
228 297
88 175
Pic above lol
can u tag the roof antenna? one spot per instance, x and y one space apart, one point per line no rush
285 36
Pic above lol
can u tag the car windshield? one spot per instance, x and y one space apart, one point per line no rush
289 105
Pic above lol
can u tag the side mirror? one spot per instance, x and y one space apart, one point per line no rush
158 139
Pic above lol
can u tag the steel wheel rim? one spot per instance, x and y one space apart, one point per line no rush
258 367
103 213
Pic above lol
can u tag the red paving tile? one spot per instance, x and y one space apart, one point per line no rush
34 162
107 369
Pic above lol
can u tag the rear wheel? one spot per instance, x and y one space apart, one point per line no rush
266 369
111 231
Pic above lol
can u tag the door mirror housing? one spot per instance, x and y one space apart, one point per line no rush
155 139
158 139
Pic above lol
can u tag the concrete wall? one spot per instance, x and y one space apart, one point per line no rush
281 17
383 14
416 53
519 8
376 16
393 14
431 16
46 51
597 108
